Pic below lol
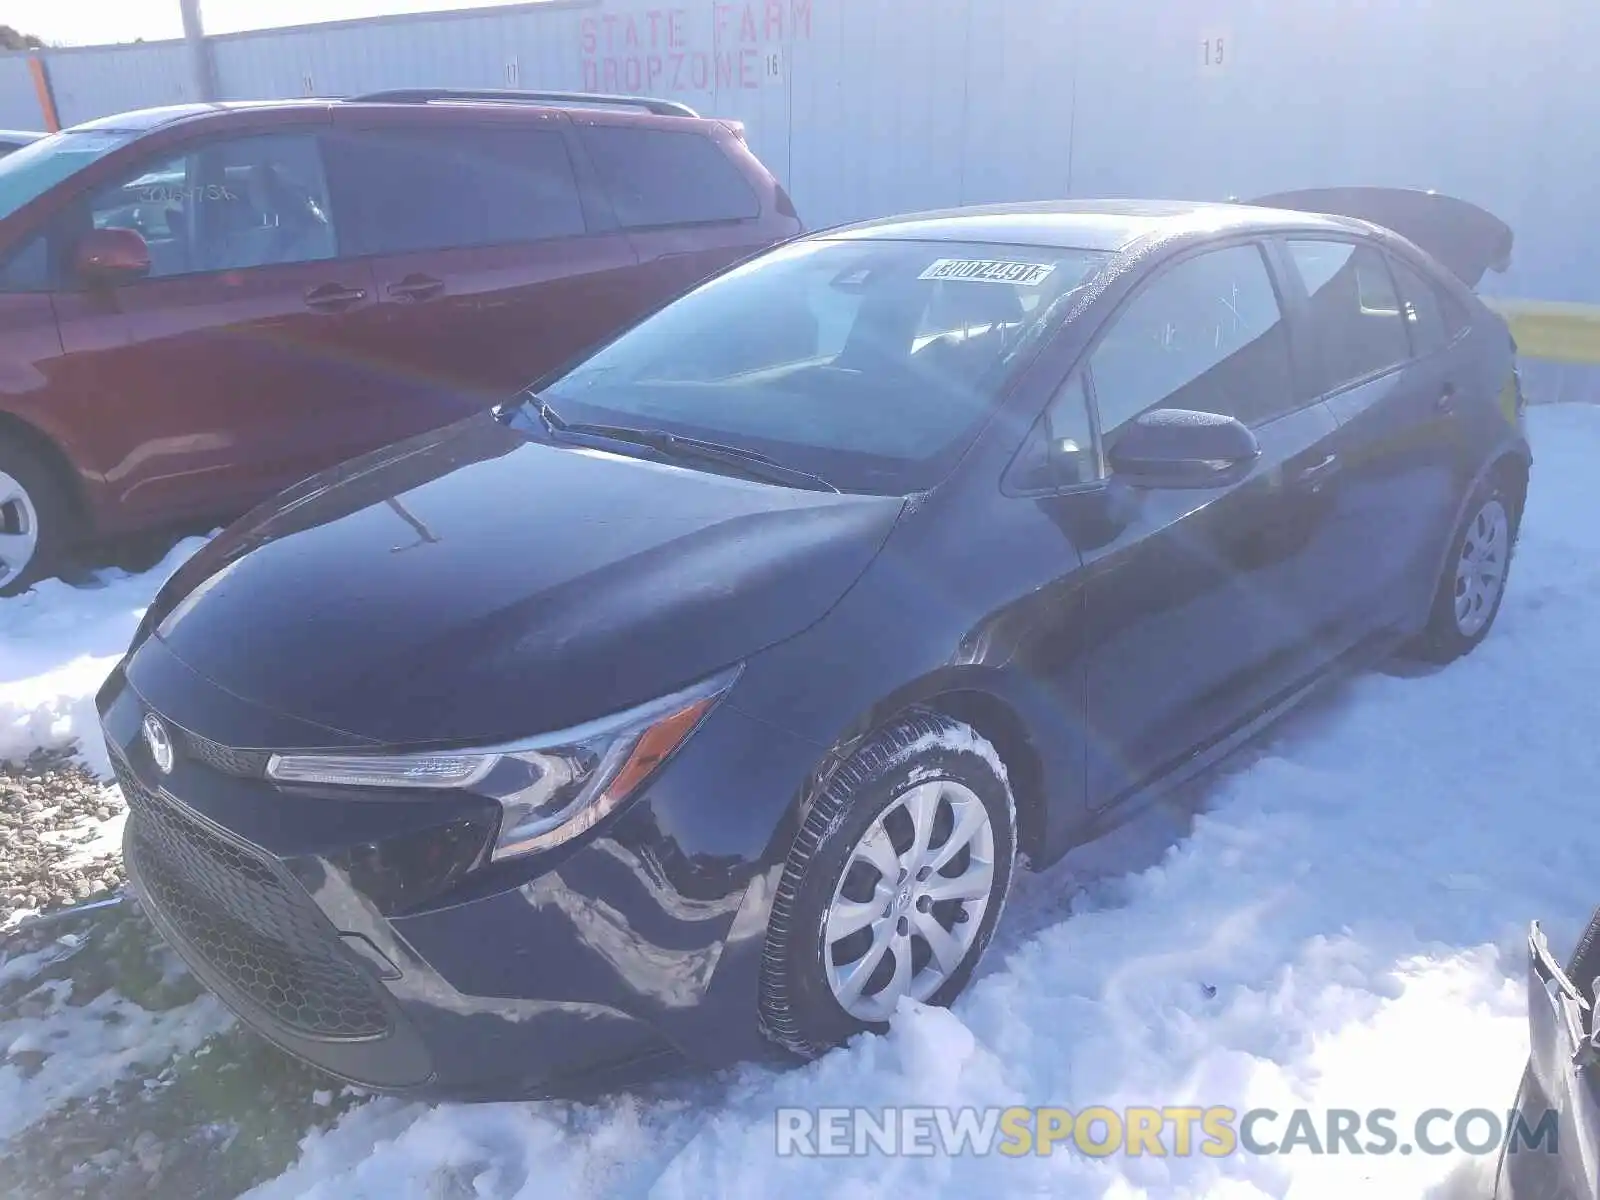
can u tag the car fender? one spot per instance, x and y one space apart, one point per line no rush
1514 447
1002 706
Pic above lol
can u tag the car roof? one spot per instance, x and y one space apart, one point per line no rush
1082 224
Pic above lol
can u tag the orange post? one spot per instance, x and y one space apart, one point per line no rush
47 99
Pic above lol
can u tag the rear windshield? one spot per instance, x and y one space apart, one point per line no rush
34 169
870 363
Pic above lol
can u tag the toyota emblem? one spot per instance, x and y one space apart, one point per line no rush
160 743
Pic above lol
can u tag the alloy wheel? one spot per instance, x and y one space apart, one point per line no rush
19 528
910 900
1481 569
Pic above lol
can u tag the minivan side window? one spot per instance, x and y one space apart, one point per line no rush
667 177
225 206
1354 311
1423 308
405 190
1207 334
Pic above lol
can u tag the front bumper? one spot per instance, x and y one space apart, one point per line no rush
365 934
1560 1088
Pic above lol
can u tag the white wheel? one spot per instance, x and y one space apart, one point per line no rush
36 517
19 529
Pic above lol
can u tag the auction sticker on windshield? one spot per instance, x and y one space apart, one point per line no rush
984 270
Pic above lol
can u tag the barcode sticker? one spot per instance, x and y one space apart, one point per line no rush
984 270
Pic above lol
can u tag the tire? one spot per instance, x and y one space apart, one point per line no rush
922 763
37 522
1456 625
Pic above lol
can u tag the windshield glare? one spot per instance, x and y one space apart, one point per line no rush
870 363
39 166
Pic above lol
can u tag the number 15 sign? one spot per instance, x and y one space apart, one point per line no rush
1216 52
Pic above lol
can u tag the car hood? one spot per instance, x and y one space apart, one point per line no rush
1465 238
475 585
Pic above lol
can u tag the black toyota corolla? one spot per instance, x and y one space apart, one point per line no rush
705 698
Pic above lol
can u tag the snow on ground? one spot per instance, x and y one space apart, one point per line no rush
59 1047
1340 926
58 642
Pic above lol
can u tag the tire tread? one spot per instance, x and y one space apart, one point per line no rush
880 753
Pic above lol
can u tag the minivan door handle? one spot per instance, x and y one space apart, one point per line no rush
334 297
416 287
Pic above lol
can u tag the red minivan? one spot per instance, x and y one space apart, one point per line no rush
200 305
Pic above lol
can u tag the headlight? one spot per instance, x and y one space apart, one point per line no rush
550 788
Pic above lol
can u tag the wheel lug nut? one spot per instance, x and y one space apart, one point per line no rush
961 916
904 927
923 874
924 904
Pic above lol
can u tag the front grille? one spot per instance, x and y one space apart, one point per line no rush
248 921
223 758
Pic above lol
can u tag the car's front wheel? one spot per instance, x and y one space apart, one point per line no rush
894 883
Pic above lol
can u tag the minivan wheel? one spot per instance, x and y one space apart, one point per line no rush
893 886
34 518
1475 574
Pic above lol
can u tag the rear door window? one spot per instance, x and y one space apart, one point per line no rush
1355 312
438 189
667 177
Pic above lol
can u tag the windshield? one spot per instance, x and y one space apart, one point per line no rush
39 166
869 363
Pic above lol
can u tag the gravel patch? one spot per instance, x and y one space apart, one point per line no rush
121 1079
58 836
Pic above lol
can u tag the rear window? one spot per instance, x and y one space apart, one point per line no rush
668 177
437 189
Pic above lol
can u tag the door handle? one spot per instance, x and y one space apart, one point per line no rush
416 287
1319 472
334 297
1446 402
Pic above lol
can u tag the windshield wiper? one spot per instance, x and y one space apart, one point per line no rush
751 463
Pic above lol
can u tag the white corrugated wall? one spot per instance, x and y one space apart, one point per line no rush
866 107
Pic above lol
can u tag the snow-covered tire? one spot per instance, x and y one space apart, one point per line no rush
868 799
37 522
1492 510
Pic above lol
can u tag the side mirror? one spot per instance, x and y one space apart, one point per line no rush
109 257
1174 447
